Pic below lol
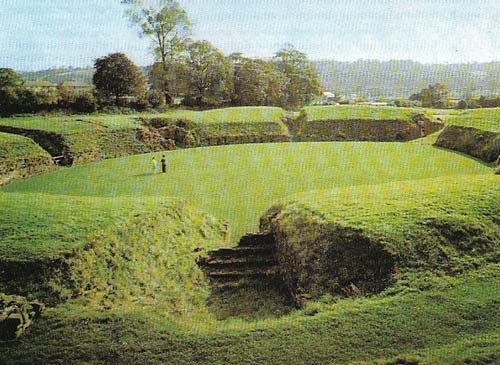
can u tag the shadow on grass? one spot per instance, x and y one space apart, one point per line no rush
250 302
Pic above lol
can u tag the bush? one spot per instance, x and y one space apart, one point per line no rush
85 103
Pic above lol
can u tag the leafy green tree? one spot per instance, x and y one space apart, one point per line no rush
117 76
10 78
434 96
166 23
67 96
208 75
249 82
172 79
303 80
14 96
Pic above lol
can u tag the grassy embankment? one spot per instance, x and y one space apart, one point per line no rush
361 239
20 157
475 132
85 138
222 126
126 249
363 123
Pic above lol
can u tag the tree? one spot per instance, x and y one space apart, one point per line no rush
117 76
14 96
171 80
303 80
10 78
434 96
168 26
208 75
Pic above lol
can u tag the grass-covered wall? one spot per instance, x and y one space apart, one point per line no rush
358 240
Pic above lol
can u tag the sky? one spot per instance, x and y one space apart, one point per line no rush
40 34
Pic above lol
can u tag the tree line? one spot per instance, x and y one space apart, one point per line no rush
193 72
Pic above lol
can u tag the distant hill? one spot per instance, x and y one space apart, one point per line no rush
374 79
368 78
58 75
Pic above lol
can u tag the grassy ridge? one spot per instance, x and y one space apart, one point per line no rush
85 138
223 126
358 112
363 123
21 157
416 325
72 124
239 183
358 238
483 119
229 115
55 247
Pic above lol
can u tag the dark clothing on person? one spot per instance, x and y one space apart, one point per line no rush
164 164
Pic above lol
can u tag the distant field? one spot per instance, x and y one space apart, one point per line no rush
485 119
239 183
358 112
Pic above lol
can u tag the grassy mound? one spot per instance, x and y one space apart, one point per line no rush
222 126
355 240
454 321
86 138
238 183
20 157
479 143
474 132
364 123
57 247
484 119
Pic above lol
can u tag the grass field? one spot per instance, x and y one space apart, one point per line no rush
367 235
484 119
239 183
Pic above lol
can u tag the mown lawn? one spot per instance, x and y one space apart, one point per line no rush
238 183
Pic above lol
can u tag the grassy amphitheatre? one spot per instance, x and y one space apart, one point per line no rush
390 248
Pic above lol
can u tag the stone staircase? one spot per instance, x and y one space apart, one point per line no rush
252 262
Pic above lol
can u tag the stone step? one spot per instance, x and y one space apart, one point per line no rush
272 282
240 263
257 239
237 275
238 252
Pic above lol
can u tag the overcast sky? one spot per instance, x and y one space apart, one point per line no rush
38 34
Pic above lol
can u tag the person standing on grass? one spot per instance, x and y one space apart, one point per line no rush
164 164
155 166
